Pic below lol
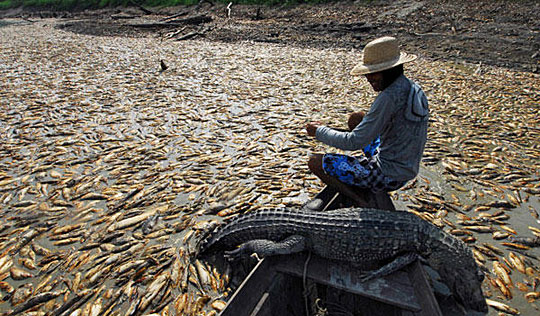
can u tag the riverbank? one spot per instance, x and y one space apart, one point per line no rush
484 33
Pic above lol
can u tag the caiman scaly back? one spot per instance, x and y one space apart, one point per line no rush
363 237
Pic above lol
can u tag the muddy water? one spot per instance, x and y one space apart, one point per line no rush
85 115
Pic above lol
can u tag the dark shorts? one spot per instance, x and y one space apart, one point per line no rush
359 171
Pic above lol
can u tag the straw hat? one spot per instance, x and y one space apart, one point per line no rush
381 54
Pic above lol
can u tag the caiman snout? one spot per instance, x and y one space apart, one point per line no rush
468 288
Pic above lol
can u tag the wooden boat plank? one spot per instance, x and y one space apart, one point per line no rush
423 291
283 297
380 200
394 289
249 293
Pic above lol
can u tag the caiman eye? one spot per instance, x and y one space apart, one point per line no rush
480 276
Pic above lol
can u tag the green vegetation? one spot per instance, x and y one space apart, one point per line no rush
86 4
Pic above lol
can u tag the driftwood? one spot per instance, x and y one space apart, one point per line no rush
187 36
338 27
124 16
203 2
174 33
154 25
193 34
28 20
229 10
258 16
143 9
186 12
194 20
174 16
200 19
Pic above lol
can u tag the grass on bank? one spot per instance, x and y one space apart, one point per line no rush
88 4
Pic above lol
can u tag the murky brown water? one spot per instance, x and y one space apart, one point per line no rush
91 130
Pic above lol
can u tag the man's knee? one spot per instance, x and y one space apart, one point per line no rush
315 163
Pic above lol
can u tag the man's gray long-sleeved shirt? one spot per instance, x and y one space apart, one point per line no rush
399 115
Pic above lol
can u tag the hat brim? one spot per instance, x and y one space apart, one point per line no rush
362 69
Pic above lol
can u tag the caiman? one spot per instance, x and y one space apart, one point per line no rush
361 237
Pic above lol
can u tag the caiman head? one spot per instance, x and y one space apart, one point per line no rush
205 233
465 282
455 263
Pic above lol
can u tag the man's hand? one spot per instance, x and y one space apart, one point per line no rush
311 128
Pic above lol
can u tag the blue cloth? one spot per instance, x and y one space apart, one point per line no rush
371 149
360 172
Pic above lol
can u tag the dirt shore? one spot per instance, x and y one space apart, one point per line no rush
498 33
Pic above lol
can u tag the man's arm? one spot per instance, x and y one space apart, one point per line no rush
371 127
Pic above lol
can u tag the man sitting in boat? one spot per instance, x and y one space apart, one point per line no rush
399 115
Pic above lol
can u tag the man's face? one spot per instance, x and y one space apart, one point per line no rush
375 80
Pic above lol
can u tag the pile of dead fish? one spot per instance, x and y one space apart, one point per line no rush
110 169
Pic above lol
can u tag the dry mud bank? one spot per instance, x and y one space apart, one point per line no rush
504 33
109 168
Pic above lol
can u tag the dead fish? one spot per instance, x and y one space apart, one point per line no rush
508 229
149 224
200 303
497 235
486 251
479 229
478 256
202 273
515 246
152 291
502 307
67 241
176 271
75 284
527 241
21 294
95 308
531 296
19 274
503 288
27 263
218 305
66 229
37 299
502 273
6 287
522 287
92 196
493 248
460 232
128 266
482 208
500 204
5 264
130 221
513 200
517 262
180 303
42 251
43 283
